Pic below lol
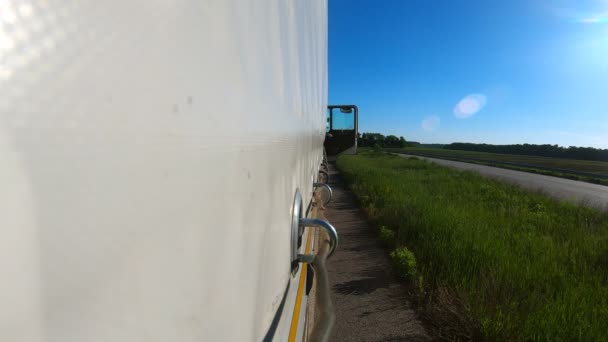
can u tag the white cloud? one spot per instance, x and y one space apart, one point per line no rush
588 12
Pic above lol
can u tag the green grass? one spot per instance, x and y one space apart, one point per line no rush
526 266
535 164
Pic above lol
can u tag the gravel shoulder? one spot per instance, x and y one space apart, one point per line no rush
371 304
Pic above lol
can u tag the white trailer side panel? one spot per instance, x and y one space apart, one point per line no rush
149 156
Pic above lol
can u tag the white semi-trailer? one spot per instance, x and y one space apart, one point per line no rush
152 155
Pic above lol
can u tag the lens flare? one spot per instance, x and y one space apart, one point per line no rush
431 123
469 105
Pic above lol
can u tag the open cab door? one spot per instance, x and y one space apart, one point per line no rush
342 129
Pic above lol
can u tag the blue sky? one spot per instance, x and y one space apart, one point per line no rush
473 71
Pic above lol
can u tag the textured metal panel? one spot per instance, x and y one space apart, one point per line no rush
149 155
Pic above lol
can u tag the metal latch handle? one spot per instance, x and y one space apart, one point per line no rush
327 187
331 231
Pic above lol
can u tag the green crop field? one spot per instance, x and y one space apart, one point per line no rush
567 168
525 267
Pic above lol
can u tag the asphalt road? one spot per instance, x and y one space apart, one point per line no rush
560 188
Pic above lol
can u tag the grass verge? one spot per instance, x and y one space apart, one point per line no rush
525 266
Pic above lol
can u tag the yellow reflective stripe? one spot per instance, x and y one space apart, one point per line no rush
296 311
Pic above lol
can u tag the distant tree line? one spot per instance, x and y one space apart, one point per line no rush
427 145
555 151
379 140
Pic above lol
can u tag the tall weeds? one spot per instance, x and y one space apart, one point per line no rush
527 266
